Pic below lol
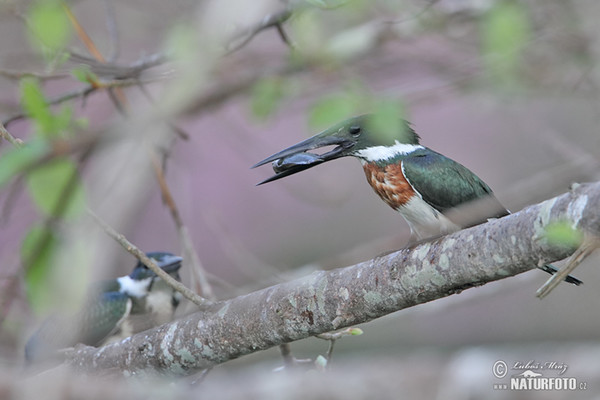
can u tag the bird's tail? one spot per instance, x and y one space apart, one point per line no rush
551 269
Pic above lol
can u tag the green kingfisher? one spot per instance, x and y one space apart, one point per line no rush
424 186
113 310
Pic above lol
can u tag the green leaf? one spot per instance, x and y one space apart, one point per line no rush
16 159
330 110
563 234
54 182
35 105
355 331
48 25
384 121
37 251
266 96
506 31
84 74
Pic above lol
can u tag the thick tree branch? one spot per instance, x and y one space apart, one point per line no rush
329 300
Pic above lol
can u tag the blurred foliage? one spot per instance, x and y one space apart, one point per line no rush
356 100
384 122
332 109
38 251
49 29
53 185
267 95
563 234
15 160
84 74
47 123
328 4
56 189
505 36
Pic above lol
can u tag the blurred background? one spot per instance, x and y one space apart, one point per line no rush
510 89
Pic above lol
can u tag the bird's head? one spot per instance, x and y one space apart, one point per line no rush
360 136
139 282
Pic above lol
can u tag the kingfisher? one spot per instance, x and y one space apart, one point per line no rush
424 186
113 310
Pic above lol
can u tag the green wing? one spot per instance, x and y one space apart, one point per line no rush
102 317
443 183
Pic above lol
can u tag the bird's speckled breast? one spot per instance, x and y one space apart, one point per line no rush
389 183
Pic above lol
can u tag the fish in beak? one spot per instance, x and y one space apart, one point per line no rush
298 158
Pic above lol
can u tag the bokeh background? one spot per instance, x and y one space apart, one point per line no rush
508 88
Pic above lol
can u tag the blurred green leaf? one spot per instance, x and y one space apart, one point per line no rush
57 181
385 121
333 109
266 96
16 159
48 25
35 105
506 31
84 74
563 234
309 33
37 252
355 331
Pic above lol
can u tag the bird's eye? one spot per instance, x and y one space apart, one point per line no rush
354 130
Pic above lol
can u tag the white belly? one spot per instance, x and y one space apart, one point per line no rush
424 220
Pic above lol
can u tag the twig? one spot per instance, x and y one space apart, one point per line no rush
17 75
140 255
272 20
8 137
333 336
118 71
286 353
83 92
589 245
116 95
197 270
82 34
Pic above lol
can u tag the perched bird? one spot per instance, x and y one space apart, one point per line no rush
114 309
424 186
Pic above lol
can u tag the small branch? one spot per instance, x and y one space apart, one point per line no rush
83 92
589 245
286 353
116 95
270 21
8 137
117 71
82 34
197 270
333 336
17 75
140 255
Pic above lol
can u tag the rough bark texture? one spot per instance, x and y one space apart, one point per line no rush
329 300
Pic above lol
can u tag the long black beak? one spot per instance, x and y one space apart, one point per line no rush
169 263
297 158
